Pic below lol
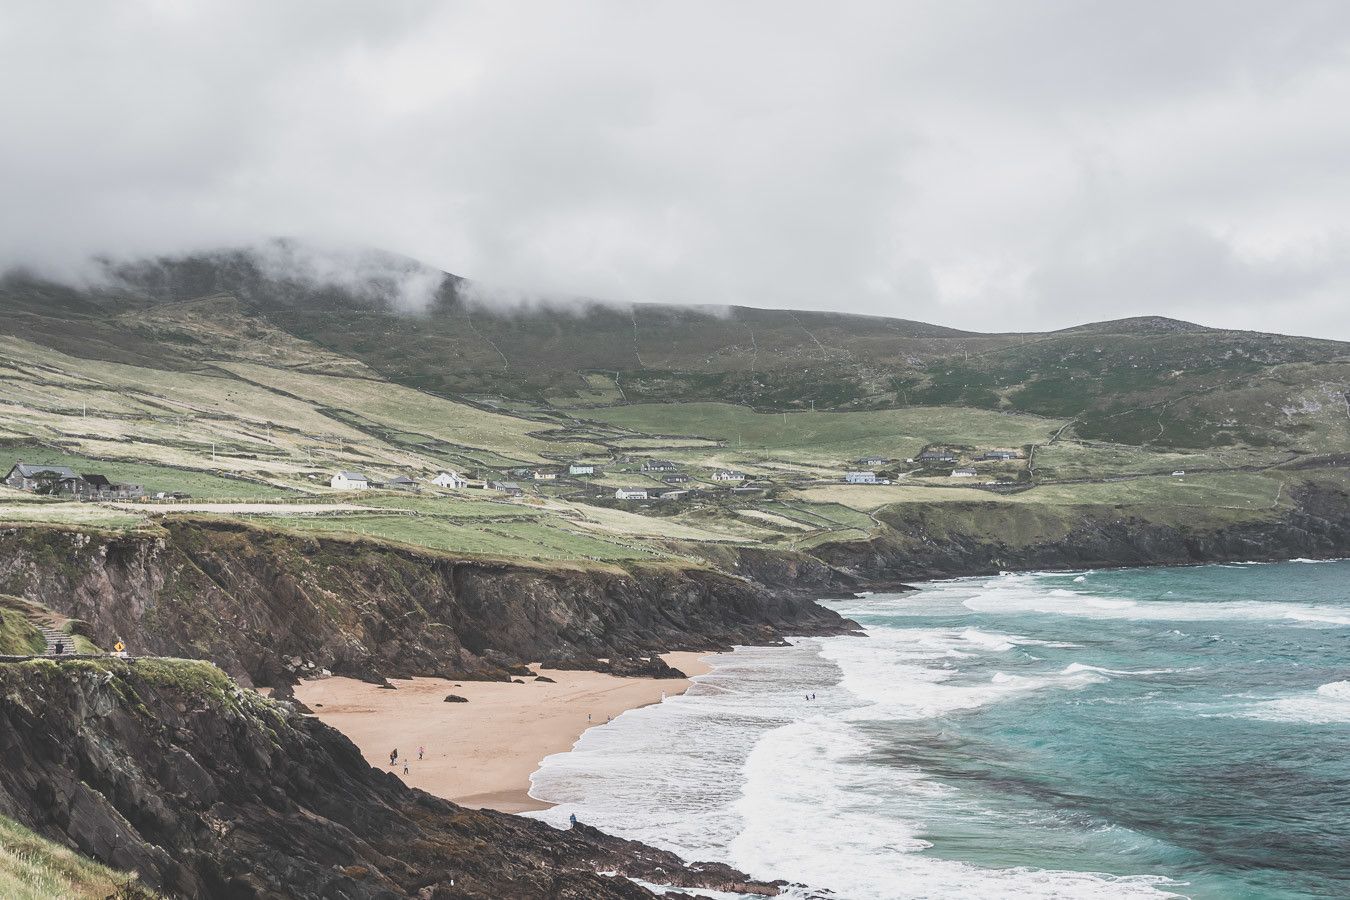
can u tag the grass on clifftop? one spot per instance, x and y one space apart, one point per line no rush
33 868
18 636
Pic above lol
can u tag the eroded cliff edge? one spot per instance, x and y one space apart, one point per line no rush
207 790
267 606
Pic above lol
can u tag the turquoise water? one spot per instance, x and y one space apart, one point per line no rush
1101 734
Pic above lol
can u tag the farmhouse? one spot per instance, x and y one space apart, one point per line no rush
509 488
30 477
349 481
860 477
580 469
450 480
402 483
872 462
673 495
1002 455
942 456
659 465
964 473
541 475
630 494
728 475
100 487
677 478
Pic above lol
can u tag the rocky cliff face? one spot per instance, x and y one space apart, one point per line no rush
267 606
949 540
211 791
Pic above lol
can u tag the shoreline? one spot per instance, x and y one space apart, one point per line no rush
481 754
913 584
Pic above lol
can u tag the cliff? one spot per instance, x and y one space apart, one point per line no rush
921 541
207 790
267 606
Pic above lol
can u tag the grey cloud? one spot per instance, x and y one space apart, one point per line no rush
981 164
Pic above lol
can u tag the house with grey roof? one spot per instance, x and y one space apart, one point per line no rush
31 477
350 481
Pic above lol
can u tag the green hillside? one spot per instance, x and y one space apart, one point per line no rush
245 391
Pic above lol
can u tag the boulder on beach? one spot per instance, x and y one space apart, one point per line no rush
455 698
539 678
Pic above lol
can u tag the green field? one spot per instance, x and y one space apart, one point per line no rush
152 477
832 438
1224 490
509 540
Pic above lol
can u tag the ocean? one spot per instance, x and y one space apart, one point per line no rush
1126 733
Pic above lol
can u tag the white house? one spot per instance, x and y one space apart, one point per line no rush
450 480
728 475
541 475
580 469
349 481
1178 473
964 473
860 477
659 465
630 494
873 461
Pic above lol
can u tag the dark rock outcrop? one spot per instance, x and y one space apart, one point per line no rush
168 768
455 698
629 667
945 540
270 607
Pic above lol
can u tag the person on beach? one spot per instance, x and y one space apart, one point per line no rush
405 766
420 751
573 819
393 757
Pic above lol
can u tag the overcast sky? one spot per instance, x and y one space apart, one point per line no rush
1002 165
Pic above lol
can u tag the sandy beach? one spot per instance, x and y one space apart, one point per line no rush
482 753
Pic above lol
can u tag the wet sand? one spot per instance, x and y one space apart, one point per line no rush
482 753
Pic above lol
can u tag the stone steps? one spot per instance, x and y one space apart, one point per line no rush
53 636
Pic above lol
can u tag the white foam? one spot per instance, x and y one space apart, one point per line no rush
1018 594
845 828
1075 668
741 769
909 673
1328 705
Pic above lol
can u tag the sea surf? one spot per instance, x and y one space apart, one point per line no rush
1126 733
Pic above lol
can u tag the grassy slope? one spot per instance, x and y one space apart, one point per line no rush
832 438
18 636
33 868
290 386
